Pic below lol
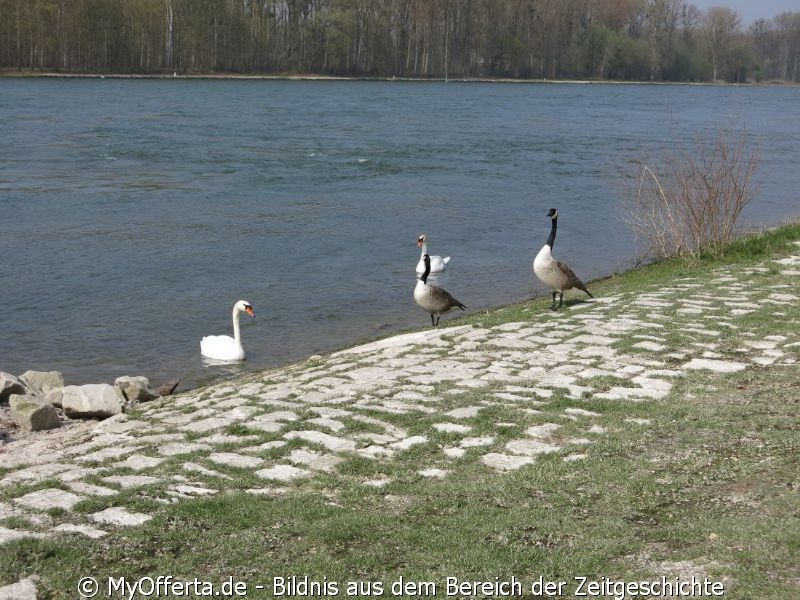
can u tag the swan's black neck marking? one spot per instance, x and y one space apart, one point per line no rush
551 240
424 277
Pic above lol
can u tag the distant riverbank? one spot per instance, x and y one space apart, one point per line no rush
314 77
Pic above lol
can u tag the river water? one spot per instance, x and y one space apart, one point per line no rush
136 212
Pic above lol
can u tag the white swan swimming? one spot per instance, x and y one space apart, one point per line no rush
438 264
225 347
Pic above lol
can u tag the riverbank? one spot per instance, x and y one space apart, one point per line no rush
315 77
651 432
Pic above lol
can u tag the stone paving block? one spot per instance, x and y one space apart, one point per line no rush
315 460
24 589
107 453
454 452
266 446
327 423
177 448
328 441
138 462
283 473
505 462
193 490
542 431
34 473
195 468
120 516
408 442
9 535
271 491
581 412
209 424
593 340
434 473
575 457
232 459
375 451
91 489
531 447
720 366
85 530
49 498
475 442
651 346
131 481
451 428
467 412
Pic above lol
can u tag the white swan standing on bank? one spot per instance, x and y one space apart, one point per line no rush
438 264
225 347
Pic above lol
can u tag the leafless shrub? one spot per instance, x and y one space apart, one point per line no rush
690 204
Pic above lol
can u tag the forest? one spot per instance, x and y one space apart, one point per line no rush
634 40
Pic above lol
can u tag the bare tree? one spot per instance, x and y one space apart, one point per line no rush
690 19
720 25
662 24
788 31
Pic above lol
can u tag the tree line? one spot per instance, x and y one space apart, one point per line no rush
664 40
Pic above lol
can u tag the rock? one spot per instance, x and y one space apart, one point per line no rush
168 388
11 385
118 515
32 413
90 401
55 396
135 389
24 589
41 382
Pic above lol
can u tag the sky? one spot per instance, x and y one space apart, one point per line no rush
751 10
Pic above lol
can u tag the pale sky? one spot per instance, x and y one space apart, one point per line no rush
751 10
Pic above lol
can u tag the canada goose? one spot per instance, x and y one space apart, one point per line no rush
432 298
438 264
552 272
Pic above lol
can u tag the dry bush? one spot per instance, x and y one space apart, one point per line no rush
692 203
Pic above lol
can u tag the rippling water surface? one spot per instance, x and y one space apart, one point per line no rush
136 212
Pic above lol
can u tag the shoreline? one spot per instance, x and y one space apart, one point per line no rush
354 78
198 384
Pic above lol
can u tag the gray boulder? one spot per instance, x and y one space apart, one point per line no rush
96 400
32 413
41 382
135 389
55 396
10 385
24 589
168 388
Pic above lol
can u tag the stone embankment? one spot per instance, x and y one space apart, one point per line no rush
285 426
39 400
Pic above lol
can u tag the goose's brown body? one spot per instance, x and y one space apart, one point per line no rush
554 273
434 299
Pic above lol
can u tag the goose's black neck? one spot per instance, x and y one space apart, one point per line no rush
424 277
551 240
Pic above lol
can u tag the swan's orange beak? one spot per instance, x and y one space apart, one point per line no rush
249 311
419 243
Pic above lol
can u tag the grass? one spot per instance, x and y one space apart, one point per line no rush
707 488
